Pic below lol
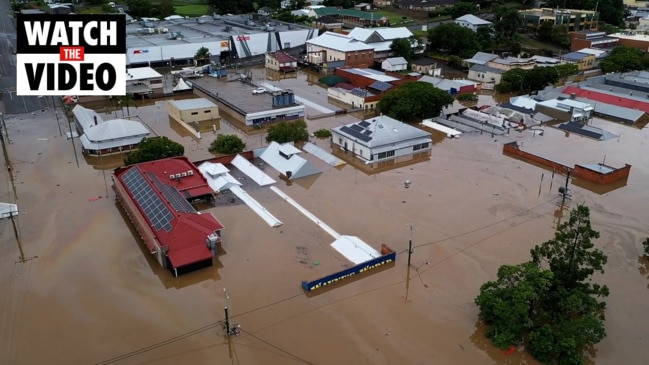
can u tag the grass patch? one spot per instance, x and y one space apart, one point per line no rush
193 10
531 43
89 10
394 18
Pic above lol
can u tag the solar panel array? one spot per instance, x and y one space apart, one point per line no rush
173 196
155 210
355 132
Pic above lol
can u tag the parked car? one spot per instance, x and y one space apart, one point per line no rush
259 90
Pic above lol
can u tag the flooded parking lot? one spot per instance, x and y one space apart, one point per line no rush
89 294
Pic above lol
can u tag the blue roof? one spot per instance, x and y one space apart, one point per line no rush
575 56
380 85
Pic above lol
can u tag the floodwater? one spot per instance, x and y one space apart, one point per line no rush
88 293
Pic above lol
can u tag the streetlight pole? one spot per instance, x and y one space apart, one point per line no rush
56 112
410 244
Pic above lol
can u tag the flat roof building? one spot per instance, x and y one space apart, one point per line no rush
176 41
156 196
571 18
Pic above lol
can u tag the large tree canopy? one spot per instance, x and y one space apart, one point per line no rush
623 59
156 148
611 11
550 304
453 39
282 132
232 6
415 100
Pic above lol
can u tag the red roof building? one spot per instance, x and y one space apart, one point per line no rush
607 98
156 196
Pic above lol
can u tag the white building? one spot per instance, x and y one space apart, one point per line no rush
143 81
286 160
381 138
332 47
381 39
472 22
394 64
357 97
485 74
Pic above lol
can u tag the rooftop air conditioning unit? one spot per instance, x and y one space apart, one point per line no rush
172 176
190 172
177 176
184 174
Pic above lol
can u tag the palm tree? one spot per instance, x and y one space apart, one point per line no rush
126 99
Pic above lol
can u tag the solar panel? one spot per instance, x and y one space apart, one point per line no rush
356 127
355 133
364 124
173 196
155 210
367 132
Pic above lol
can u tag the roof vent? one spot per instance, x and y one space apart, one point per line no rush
184 174
190 172
172 176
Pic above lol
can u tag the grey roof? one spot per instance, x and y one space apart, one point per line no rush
485 68
380 131
115 129
575 56
86 117
396 61
424 61
380 85
363 34
481 58
339 42
473 20
297 165
188 104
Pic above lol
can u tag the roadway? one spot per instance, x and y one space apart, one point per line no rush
13 104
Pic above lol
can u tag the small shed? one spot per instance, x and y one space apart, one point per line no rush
394 64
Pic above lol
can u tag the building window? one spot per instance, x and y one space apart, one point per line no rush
194 113
421 146
207 111
386 154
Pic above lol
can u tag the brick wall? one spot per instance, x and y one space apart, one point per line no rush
577 171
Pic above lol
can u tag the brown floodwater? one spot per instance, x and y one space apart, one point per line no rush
88 293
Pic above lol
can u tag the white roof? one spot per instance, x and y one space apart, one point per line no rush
371 74
86 117
592 51
255 206
252 171
288 149
362 34
523 102
472 19
115 129
187 104
381 131
7 210
141 73
181 85
339 42
481 58
295 164
396 61
213 169
354 249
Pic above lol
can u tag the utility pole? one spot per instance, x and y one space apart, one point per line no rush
22 258
4 126
74 148
56 112
410 244
566 191
227 315
10 169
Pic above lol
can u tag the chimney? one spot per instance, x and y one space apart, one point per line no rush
95 117
572 96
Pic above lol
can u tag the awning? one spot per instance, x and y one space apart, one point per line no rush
138 89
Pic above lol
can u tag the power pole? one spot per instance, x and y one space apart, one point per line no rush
566 191
10 169
74 148
410 244
227 315
56 112
22 258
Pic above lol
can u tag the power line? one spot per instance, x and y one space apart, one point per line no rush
431 266
276 347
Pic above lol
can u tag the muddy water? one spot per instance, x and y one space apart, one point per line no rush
93 294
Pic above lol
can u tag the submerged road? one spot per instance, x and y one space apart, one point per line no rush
13 104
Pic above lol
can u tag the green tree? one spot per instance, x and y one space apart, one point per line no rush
232 6
402 47
141 8
202 54
227 144
623 59
566 69
485 36
283 132
460 9
453 39
559 36
156 148
550 303
507 21
414 101
166 8
544 31
126 100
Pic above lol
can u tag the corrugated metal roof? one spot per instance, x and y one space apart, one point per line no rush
339 42
363 34
381 131
481 58
116 129
472 19
295 164
394 61
485 68
141 73
188 104
86 117
380 85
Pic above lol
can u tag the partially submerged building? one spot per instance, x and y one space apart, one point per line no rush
100 138
156 196
286 159
381 138
196 115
